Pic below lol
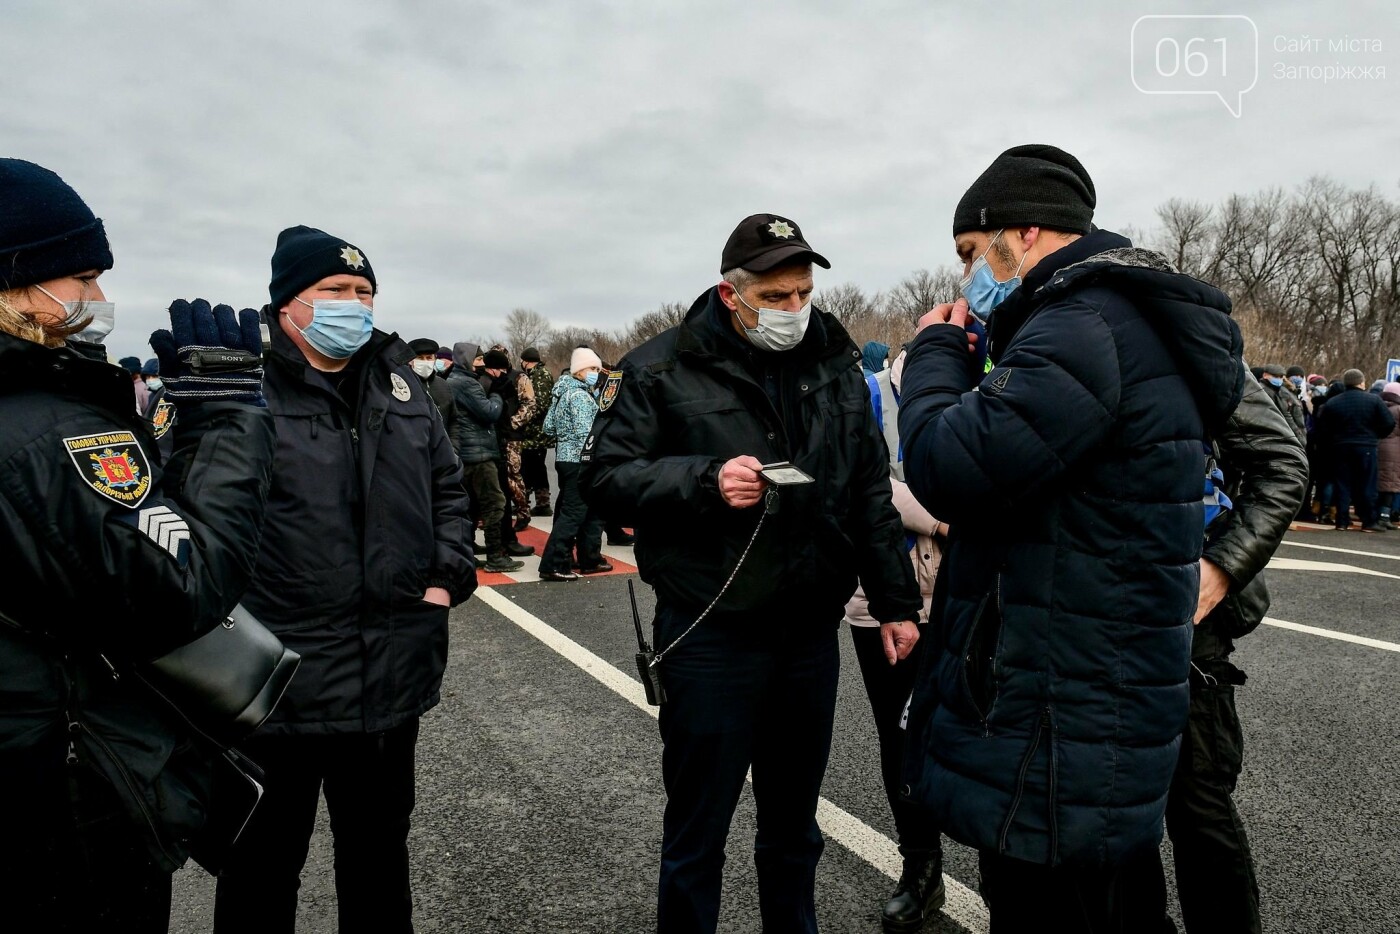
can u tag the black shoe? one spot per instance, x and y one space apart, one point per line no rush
916 897
519 550
1374 527
500 564
521 523
542 510
602 567
558 577
623 539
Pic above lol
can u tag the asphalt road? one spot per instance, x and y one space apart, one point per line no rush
540 800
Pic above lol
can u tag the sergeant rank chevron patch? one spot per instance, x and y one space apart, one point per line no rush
167 529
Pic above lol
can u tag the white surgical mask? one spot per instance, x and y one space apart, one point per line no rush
103 314
777 330
424 368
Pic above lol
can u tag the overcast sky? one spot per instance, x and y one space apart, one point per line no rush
588 160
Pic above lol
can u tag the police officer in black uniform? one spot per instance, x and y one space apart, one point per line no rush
367 545
110 558
753 376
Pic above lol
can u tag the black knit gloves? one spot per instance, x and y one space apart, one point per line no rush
210 353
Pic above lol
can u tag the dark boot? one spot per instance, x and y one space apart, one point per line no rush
918 895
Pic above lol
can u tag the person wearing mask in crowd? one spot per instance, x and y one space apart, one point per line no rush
1285 396
103 788
160 411
1071 475
366 547
474 438
534 449
1262 472
424 364
1350 426
1388 462
1297 380
751 578
518 392
133 366
920 891
1321 507
615 534
443 365
576 526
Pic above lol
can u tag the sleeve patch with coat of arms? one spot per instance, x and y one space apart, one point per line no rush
113 465
610 388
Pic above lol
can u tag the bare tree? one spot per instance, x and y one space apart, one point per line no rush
525 328
919 291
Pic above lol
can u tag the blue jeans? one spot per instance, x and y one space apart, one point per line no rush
748 690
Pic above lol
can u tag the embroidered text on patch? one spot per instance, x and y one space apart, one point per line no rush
113 465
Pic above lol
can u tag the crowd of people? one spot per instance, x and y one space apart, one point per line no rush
1044 522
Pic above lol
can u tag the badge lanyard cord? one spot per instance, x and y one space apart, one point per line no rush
770 502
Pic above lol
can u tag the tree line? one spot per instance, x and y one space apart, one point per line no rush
1313 272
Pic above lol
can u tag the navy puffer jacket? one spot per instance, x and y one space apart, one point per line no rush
1046 725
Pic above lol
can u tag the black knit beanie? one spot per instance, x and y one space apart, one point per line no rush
1029 186
305 255
46 231
495 360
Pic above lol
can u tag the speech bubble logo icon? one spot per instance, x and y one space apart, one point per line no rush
1188 54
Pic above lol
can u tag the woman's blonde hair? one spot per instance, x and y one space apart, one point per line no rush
26 327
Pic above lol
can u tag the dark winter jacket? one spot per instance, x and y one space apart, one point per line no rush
87 565
367 512
442 398
1046 724
1266 473
1355 418
1285 398
160 413
474 431
694 397
1388 449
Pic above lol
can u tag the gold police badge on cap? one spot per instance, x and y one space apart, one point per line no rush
112 464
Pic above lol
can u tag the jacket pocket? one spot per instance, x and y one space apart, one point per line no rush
979 654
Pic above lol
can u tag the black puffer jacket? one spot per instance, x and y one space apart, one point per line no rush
474 428
1047 723
367 511
691 399
82 481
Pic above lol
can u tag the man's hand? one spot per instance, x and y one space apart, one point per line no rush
898 639
438 595
740 483
1215 584
954 313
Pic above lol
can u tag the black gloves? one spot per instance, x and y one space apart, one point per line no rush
210 354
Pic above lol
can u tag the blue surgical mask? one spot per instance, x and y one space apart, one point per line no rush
103 315
338 327
440 365
154 384
982 290
1297 381
591 378
1275 381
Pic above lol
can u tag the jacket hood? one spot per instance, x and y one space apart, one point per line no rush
1190 316
873 356
463 353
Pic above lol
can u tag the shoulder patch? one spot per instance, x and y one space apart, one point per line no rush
399 387
998 384
113 465
609 394
163 419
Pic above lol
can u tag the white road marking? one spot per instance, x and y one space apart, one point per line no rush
1345 551
1333 634
1296 564
963 906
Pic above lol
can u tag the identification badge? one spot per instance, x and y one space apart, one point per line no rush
784 474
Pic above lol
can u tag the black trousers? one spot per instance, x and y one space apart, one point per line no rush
1030 898
369 784
888 688
574 523
1214 869
71 860
508 536
1354 469
756 691
488 502
535 474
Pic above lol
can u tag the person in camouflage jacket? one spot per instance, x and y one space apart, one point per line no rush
536 443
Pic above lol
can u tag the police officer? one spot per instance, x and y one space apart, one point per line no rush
754 375
425 358
367 544
110 558
159 409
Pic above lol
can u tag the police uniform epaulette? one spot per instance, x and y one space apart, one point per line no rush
661 366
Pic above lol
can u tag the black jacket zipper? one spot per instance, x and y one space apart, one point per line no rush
1040 727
